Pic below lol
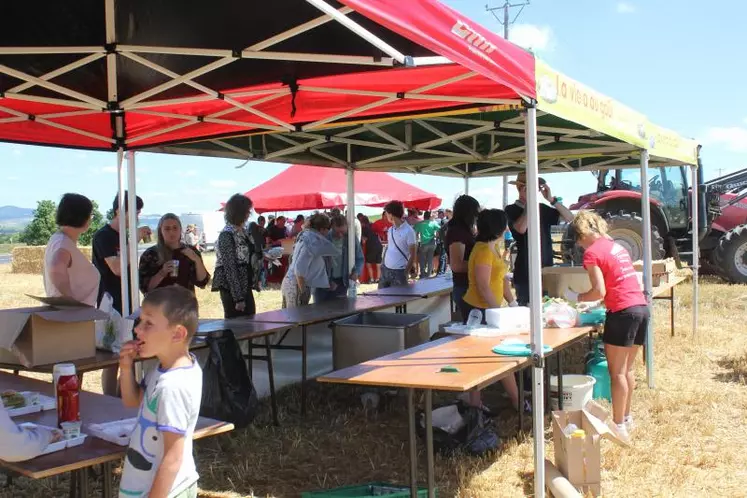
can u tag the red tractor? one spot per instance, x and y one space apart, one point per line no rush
722 217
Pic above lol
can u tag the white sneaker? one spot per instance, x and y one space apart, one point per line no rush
622 432
629 424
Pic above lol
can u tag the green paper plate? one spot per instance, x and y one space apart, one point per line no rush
517 349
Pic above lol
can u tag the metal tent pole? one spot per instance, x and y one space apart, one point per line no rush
535 299
466 185
121 193
647 277
351 217
696 245
505 191
132 246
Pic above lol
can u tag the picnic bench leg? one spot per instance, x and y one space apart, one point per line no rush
547 391
521 400
106 480
413 442
271 378
83 482
304 351
560 380
429 442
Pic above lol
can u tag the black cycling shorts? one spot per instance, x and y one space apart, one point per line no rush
627 327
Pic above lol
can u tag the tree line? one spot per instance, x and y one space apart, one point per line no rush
43 225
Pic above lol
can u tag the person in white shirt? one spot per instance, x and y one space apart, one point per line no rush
401 251
23 443
67 271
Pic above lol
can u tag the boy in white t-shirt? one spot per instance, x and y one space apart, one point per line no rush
159 461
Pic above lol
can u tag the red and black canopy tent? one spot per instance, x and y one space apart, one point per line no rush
359 84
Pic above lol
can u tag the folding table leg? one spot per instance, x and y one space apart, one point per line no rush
413 442
106 480
271 377
521 401
73 493
429 442
249 359
304 351
83 482
671 311
560 380
547 391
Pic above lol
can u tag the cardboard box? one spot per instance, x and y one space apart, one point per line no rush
580 459
658 267
556 279
63 330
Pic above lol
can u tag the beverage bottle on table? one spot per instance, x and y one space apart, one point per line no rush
67 391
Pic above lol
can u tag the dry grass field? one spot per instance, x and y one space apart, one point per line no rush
691 439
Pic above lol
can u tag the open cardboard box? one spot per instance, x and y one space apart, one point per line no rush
556 279
580 459
62 330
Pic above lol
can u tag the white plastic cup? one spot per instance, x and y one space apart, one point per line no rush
174 268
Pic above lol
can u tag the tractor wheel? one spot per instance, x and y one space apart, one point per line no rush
572 252
627 230
731 255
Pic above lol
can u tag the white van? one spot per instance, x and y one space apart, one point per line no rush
210 224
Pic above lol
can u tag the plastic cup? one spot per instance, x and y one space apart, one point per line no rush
174 268
70 430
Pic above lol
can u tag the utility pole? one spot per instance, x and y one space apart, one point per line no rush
506 22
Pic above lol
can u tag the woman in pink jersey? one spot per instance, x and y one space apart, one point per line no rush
614 280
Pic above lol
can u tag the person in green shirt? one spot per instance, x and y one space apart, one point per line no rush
427 232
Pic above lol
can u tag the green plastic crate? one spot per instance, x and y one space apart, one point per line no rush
367 490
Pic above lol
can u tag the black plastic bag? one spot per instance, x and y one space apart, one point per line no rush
477 435
227 390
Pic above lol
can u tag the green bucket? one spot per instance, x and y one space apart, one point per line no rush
367 490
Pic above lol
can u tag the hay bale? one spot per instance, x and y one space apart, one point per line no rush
30 259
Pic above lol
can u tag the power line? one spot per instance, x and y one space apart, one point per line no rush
506 21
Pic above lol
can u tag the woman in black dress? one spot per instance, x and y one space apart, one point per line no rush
374 250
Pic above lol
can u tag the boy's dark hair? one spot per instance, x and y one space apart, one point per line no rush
74 210
427 215
178 305
491 223
396 209
237 209
138 202
260 219
300 218
280 219
318 222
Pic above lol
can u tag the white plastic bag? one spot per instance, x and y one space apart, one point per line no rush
560 315
113 332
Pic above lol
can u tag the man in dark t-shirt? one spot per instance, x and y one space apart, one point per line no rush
517 222
105 254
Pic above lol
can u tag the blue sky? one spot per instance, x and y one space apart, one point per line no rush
671 60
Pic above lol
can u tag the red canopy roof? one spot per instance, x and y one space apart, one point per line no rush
301 188
88 78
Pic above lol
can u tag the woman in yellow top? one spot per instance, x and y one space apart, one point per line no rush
488 284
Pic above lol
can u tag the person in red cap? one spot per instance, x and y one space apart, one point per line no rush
550 215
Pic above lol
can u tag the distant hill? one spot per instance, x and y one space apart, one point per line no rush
13 218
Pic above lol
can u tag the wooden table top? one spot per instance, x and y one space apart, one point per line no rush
426 287
673 282
94 408
419 367
331 310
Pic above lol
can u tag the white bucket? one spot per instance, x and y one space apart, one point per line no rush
577 391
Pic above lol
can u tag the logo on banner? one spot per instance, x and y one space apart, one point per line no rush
463 31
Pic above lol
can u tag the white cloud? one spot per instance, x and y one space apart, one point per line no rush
17 152
190 172
109 169
222 183
625 8
11 178
734 138
532 37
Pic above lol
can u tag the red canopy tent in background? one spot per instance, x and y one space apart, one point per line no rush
301 188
